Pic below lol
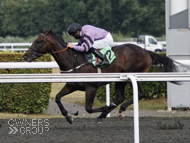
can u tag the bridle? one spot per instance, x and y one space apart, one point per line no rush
36 53
36 50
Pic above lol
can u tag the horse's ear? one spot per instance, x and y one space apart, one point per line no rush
49 31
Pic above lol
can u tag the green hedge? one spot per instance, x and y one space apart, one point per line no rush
151 89
23 97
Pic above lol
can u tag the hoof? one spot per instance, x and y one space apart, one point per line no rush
121 115
69 119
98 120
77 113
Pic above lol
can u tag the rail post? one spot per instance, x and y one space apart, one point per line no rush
108 96
136 107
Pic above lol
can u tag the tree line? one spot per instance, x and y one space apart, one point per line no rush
26 18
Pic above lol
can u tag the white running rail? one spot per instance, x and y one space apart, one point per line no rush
100 77
27 65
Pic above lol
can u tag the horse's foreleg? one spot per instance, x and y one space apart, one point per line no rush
126 104
64 91
119 98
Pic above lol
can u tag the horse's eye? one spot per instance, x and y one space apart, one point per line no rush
39 41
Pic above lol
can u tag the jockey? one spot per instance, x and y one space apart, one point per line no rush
90 39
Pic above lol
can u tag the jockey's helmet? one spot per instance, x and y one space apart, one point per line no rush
73 28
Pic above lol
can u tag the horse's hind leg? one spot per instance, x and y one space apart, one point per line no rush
89 96
64 91
126 104
119 98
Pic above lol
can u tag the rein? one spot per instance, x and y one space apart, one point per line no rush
52 50
61 50
73 63
71 70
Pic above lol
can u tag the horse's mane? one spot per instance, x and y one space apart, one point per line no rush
57 37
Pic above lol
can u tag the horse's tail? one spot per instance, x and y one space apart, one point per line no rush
168 64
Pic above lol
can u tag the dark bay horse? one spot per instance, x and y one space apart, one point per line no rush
129 58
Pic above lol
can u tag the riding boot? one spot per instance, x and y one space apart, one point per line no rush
100 56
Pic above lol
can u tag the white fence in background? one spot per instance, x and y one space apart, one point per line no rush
12 46
100 77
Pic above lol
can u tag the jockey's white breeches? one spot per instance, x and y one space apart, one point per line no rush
107 41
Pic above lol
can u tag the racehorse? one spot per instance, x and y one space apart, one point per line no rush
129 58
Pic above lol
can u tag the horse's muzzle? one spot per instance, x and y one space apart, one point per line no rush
25 57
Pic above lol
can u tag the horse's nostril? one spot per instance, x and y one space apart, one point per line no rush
25 56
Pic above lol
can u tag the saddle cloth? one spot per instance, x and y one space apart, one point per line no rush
105 51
